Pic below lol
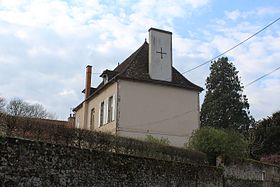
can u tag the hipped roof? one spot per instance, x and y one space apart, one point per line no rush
136 68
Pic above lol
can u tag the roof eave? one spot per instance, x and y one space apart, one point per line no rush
101 88
199 89
96 92
78 107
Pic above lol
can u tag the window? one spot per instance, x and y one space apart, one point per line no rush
101 115
92 119
110 109
263 175
78 122
106 111
105 79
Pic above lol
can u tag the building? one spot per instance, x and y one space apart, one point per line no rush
143 95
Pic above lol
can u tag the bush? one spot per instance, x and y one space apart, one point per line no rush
218 142
57 132
152 139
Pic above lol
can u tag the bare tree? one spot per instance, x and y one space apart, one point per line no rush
2 104
18 107
256 143
38 111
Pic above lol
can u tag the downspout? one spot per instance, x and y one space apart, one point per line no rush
117 107
198 107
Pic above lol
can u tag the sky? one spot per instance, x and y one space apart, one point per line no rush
45 45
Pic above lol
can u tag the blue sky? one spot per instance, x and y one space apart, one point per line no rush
45 45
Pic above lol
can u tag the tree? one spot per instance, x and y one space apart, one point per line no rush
2 109
18 107
38 111
152 139
214 142
224 105
268 131
2 104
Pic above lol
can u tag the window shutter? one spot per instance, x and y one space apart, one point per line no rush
114 107
99 114
105 111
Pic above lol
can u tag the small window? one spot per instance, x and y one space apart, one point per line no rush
92 119
102 114
110 109
105 79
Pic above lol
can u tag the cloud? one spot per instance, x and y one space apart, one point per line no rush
45 45
265 97
67 93
8 60
233 15
259 12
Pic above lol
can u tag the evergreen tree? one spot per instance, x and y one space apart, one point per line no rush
224 105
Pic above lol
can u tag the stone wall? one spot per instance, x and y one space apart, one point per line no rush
252 170
31 163
34 163
231 182
252 173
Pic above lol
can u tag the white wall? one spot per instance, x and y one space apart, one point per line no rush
84 112
157 110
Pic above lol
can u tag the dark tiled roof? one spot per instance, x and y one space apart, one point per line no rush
91 90
109 73
136 68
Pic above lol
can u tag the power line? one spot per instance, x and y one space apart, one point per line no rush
206 62
230 49
181 114
137 130
261 77
163 120
178 115
148 132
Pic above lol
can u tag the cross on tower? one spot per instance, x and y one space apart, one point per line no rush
161 53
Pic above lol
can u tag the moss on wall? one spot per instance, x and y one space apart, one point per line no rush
33 163
30 163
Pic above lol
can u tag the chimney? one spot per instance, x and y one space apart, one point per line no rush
71 121
88 81
160 54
